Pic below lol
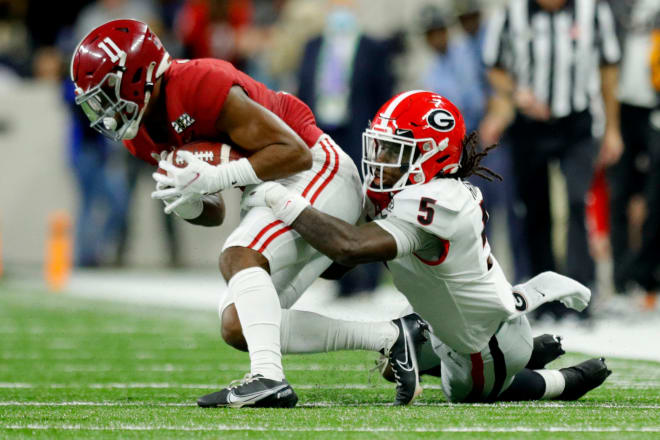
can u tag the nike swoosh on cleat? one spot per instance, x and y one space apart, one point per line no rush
407 364
253 397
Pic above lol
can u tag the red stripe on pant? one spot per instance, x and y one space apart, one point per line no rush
273 237
267 228
335 168
327 147
326 164
477 378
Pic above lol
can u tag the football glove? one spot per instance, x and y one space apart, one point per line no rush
199 177
286 205
186 208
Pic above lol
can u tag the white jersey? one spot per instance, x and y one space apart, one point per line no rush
444 265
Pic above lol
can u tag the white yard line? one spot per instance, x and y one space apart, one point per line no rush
234 366
201 386
108 404
205 386
536 405
66 427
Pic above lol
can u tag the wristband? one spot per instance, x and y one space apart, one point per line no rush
286 205
291 207
236 173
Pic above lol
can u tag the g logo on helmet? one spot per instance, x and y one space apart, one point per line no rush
441 120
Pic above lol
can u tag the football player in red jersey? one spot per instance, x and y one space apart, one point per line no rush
429 227
131 90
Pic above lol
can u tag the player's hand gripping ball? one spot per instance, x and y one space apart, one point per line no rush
180 181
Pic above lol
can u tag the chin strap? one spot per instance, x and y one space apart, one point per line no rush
165 62
134 126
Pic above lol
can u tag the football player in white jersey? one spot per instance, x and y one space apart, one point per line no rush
429 228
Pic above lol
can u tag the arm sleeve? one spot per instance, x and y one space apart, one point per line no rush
408 237
496 41
608 43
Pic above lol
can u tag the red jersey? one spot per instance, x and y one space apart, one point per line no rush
195 91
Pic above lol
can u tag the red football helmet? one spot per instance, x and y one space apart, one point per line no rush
421 132
114 68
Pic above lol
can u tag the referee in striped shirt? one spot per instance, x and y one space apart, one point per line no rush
545 60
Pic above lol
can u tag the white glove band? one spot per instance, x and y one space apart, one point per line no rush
286 205
236 173
190 210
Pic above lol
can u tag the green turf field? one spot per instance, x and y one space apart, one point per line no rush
72 368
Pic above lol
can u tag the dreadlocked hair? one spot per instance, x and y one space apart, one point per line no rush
471 158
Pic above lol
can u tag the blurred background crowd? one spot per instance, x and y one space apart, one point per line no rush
581 188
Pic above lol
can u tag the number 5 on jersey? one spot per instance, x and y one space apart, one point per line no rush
426 211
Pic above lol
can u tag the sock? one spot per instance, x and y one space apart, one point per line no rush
259 310
534 385
307 332
526 385
554 383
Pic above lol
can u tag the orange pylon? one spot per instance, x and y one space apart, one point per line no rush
1 266
59 252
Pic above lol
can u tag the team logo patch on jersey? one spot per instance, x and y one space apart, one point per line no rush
441 120
182 122
521 302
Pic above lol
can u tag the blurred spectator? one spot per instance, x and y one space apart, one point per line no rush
646 263
106 176
452 66
48 65
498 196
630 175
15 41
454 70
543 58
103 206
210 28
298 22
345 77
101 11
255 41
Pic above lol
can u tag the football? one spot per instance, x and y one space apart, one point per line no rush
215 153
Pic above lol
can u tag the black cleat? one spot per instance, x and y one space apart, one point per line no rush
403 357
583 377
383 366
255 391
547 348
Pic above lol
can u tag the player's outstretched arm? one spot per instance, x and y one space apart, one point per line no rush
343 242
277 151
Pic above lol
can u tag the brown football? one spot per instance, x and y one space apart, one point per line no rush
215 153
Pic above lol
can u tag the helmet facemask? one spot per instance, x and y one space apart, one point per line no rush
382 153
108 113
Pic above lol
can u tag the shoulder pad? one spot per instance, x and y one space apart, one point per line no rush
433 207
